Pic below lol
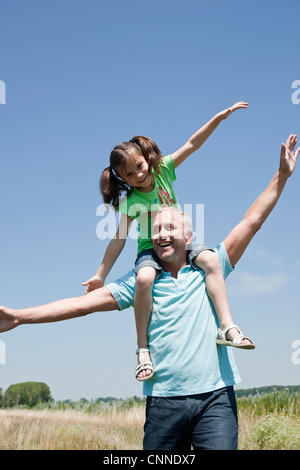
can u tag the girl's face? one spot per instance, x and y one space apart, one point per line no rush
136 173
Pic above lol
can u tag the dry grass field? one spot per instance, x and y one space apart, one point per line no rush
261 428
71 429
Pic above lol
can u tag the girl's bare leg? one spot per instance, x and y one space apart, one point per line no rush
142 309
216 289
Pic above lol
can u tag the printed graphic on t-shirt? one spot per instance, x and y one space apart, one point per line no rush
164 197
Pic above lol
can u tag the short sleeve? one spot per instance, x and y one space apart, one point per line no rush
123 290
224 260
169 164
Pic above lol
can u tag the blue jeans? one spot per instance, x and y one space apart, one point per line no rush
207 421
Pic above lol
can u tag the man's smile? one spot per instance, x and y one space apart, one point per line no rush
164 243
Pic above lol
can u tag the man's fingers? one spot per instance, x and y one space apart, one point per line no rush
283 149
291 142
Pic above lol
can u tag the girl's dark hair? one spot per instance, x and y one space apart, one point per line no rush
112 186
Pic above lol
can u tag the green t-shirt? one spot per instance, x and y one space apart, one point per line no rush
144 206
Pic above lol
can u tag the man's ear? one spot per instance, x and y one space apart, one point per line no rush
189 237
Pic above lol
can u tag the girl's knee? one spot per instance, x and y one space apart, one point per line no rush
145 278
208 260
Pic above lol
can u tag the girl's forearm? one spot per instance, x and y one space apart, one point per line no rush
198 139
113 251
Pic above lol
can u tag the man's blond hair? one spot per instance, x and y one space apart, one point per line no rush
187 222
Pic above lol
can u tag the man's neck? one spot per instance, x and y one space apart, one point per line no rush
173 267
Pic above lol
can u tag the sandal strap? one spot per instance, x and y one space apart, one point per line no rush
144 366
238 339
141 354
142 350
222 333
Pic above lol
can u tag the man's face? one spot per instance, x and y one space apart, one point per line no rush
168 237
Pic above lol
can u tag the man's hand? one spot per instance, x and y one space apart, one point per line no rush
288 157
239 238
8 319
93 283
240 105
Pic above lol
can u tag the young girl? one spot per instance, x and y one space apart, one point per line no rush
138 171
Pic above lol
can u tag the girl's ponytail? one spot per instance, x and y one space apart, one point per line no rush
105 187
111 187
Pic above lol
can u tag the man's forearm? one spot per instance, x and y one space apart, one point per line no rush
52 312
239 238
95 301
263 206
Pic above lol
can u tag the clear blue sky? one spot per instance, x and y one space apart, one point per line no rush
82 76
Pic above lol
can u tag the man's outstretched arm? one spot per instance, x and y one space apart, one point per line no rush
99 300
239 238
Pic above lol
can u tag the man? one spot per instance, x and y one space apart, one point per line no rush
190 399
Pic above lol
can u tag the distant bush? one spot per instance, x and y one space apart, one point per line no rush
28 394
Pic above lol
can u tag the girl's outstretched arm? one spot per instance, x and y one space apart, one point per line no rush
112 253
198 139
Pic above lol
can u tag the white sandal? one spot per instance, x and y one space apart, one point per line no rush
236 342
143 365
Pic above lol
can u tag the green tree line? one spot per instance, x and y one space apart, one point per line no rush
267 389
31 394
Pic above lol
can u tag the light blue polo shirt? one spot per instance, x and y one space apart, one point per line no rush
182 333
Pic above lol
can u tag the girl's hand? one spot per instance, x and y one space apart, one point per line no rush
93 283
240 105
